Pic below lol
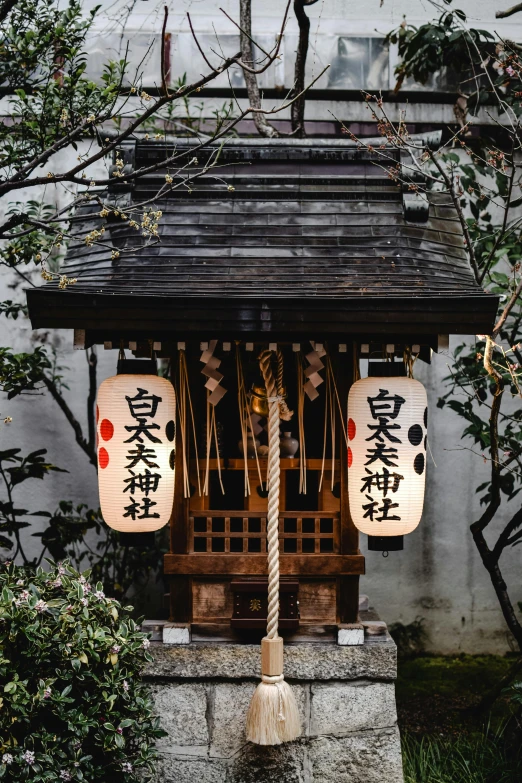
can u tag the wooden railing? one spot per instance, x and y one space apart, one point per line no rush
300 532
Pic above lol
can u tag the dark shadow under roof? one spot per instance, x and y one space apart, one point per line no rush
282 237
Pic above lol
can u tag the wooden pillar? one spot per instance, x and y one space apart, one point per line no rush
348 586
180 587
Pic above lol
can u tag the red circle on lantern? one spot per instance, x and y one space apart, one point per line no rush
103 458
106 429
350 457
97 414
351 429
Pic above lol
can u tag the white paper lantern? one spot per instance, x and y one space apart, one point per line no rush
387 429
135 420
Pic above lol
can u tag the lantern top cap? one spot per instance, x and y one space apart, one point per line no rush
292 232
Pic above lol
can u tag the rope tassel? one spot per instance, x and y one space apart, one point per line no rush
273 717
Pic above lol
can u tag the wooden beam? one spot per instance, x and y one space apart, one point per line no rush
223 564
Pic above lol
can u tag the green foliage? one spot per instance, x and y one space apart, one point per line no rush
66 534
444 43
43 58
66 529
483 178
12 309
479 66
72 707
22 372
483 757
14 471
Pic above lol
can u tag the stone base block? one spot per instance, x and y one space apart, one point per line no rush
346 701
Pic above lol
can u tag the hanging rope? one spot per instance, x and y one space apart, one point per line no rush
284 412
273 716
274 480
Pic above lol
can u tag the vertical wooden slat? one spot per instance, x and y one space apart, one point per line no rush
227 530
336 534
245 530
299 534
317 530
191 535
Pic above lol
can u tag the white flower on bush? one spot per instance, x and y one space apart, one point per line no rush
47 693
126 766
20 583
56 583
84 601
65 774
7 759
87 587
99 594
125 685
40 606
146 643
28 757
61 569
115 649
22 598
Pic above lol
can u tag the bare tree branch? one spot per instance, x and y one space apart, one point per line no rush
247 55
92 361
298 109
164 76
509 11
507 309
75 424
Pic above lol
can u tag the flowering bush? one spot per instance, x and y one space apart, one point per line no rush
72 707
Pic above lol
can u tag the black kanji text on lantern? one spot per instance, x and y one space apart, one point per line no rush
143 408
384 408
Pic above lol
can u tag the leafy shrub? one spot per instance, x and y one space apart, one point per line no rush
72 707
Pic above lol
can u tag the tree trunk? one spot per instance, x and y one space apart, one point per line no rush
245 22
499 585
298 107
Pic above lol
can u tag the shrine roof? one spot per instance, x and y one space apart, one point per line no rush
281 235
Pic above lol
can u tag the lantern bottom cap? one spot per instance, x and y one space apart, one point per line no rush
385 543
144 540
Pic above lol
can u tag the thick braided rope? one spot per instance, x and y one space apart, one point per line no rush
284 412
272 522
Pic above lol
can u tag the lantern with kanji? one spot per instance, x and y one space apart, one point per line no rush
387 434
136 426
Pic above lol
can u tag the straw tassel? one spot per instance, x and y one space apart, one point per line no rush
273 717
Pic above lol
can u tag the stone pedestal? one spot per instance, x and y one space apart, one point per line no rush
346 699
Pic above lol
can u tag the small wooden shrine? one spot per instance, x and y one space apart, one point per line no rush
305 248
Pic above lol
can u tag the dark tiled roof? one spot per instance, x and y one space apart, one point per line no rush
315 223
